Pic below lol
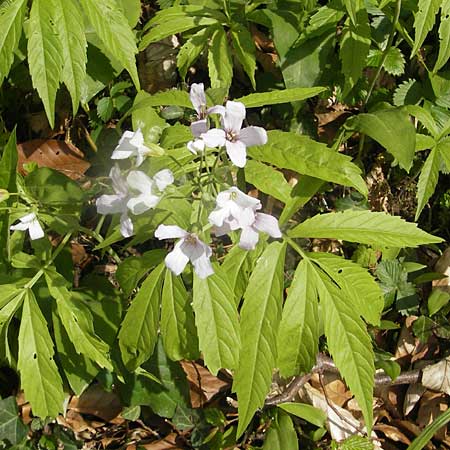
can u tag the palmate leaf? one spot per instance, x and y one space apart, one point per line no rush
217 322
260 318
11 20
45 53
39 375
356 283
281 434
306 156
424 21
349 343
245 50
191 49
220 65
298 336
365 227
139 330
444 36
427 180
73 40
113 29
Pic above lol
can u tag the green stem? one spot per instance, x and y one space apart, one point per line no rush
99 238
295 246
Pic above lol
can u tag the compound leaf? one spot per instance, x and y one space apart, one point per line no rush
424 21
427 180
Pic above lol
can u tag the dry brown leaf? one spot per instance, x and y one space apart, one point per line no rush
437 376
443 266
392 433
432 405
168 443
58 155
413 395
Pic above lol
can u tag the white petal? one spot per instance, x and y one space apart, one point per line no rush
192 247
118 182
199 127
195 146
163 178
237 153
169 232
246 218
218 216
137 139
20 226
234 116
141 203
35 230
125 138
224 229
249 238
197 96
140 181
126 226
176 260
111 204
28 218
267 224
244 200
214 138
203 267
218 109
253 136
123 154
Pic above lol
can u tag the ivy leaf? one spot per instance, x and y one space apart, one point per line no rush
444 36
260 317
139 330
424 21
113 29
365 227
428 179
191 50
392 129
45 53
11 20
306 156
39 375
298 336
73 40
177 320
245 50
12 427
217 322
220 65
281 434
349 344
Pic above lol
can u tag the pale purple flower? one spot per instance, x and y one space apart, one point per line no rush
188 248
130 145
30 223
149 188
235 139
200 126
117 203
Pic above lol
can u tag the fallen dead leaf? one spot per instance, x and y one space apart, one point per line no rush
168 443
443 266
437 376
413 395
392 433
432 405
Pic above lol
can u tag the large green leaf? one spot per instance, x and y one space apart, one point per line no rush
356 283
139 330
424 21
73 40
245 50
8 164
217 321
113 29
444 36
428 180
77 321
349 343
353 7
306 156
393 129
365 227
306 412
281 434
45 56
191 50
220 64
260 318
11 20
12 427
177 326
38 371
298 336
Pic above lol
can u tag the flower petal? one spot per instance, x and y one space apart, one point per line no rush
199 127
19 227
170 232
218 109
218 216
237 153
234 116
192 246
214 138
125 148
35 230
141 203
244 200
203 267
253 136
118 182
137 139
176 260
249 238
140 181
163 178
197 96
126 225
267 224
195 146
111 204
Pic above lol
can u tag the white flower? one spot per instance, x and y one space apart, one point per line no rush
117 203
30 223
131 144
188 248
148 188
196 146
235 139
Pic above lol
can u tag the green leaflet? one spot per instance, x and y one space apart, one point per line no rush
220 65
39 374
245 50
282 96
260 318
392 129
428 432
217 322
307 412
267 180
444 36
300 153
425 117
177 326
191 50
139 330
11 20
444 150
427 180
113 29
8 164
365 227
424 21
349 343
298 335
356 283
77 321
45 53
73 40
281 434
